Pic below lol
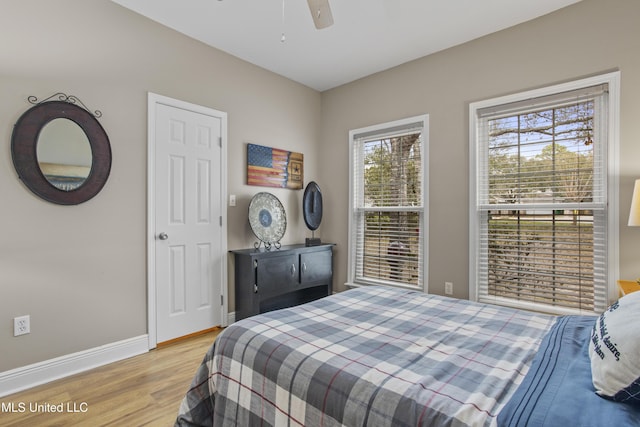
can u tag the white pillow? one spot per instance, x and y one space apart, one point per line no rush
614 350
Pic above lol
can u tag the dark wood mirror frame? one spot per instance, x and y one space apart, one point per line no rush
24 143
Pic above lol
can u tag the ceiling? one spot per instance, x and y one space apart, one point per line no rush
368 36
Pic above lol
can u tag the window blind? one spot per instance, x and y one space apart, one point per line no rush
541 201
388 209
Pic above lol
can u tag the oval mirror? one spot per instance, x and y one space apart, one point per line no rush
64 154
39 154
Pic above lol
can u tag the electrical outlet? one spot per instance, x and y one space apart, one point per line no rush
21 325
232 200
448 288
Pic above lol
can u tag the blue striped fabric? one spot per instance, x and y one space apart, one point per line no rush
558 389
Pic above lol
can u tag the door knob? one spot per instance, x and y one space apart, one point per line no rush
163 236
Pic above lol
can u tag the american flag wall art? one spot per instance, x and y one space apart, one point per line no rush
273 167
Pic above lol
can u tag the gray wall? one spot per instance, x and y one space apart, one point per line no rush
80 271
590 37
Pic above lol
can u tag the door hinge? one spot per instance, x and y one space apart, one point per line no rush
220 220
221 300
220 141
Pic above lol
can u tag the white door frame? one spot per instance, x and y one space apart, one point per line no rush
152 100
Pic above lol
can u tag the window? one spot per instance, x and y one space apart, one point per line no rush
388 223
543 193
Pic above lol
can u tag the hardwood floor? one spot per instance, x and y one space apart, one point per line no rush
145 390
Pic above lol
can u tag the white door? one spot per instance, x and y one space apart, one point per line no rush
188 238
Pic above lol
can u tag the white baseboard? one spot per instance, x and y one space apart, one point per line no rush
29 376
231 318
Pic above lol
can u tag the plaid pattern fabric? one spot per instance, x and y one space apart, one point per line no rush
372 356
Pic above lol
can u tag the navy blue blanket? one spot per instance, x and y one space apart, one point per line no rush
558 391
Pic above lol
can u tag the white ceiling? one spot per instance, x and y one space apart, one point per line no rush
368 36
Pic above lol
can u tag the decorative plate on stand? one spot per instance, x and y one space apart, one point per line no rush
267 219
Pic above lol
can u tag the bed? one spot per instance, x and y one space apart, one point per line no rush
379 356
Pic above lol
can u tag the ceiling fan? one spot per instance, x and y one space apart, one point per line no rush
321 13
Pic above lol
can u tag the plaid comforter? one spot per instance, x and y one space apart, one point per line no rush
372 356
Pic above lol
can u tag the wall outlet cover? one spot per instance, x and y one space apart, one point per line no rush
448 288
21 325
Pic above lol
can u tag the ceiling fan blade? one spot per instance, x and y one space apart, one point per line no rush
321 13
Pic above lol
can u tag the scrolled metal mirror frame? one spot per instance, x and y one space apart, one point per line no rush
24 143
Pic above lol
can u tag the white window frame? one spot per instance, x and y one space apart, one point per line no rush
384 128
612 211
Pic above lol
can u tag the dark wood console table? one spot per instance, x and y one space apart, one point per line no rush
268 280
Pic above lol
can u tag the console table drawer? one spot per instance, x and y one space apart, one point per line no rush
316 266
276 275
